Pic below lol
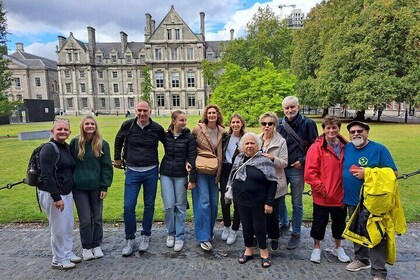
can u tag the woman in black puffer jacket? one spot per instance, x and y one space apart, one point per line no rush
180 148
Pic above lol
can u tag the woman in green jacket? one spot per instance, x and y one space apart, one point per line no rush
92 178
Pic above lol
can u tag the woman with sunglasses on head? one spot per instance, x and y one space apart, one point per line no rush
55 194
230 150
274 148
92 178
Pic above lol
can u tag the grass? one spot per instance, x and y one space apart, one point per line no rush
19 203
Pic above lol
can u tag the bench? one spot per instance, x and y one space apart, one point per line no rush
32 135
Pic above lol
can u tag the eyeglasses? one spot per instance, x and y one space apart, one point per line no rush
267 123
359 131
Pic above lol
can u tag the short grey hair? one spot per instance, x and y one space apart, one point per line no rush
289 99
256 138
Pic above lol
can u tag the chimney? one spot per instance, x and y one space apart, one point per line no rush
91 41
231 34
19 47
147 31
153 27
202 24
61 40
123 41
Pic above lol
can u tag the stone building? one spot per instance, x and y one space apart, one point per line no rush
33 77
107 77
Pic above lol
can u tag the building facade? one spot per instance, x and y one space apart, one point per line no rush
33 77
107 77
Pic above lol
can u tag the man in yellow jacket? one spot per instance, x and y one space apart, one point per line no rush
358 154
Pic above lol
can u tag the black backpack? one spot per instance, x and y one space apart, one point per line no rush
33 173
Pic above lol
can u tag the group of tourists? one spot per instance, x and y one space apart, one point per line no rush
253 172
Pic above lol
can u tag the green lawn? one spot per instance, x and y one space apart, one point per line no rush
19 203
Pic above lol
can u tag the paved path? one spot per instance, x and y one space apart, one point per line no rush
25 254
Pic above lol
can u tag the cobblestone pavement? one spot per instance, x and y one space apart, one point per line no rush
25 254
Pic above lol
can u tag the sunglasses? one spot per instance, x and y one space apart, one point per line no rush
267 123
359 131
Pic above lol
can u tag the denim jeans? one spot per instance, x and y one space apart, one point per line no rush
295 179
174 195
133 182
283 216
205 203
89 209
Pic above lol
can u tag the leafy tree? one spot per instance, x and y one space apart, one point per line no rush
6 107
146 85
252 92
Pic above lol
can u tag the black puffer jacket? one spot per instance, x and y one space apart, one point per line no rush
177 152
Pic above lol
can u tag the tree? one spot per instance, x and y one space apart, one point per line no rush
146 85
6 107
252 92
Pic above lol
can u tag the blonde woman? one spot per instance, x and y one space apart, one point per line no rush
92 178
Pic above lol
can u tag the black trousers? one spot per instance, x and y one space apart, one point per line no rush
320 220
253 223
272 221
227 221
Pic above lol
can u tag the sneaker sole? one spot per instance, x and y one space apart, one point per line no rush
62 268
358 269
316 261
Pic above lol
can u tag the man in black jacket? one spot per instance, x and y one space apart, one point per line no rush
136 144
300 132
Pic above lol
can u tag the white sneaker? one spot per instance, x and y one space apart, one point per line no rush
73 258
97 252
170 241
128 248
357 265
144 243
340 254
232 237
225 233
316 255
63 265
87 255
179 244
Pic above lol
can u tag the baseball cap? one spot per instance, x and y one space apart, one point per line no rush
362 124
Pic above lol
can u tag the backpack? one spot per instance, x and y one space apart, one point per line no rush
33 172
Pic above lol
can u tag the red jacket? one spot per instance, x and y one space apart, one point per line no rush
323 171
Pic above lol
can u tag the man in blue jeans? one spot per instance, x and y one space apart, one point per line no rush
137 144
300 132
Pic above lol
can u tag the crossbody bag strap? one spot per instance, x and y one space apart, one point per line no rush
293 134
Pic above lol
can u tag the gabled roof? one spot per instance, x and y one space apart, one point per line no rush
215 46
107 48
32 61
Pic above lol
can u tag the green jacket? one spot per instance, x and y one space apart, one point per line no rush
92 173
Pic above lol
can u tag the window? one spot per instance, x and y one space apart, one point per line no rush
67 74
191 100
175 79
174 54
190 79
99 59
117 102
160 100
190 53
115 87
100 74
53 85
101 88
81 73
38 82
84 102
159 79
128 58
114 58
142 58
70 102
102 103
169 33
17 82
19 96
175 100
82 87
129 74
68 87
130 87
158 54
177 34
76 56
39 96
114 74
131 102
69 57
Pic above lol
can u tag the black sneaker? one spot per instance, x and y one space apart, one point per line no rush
284 229
294 241
274 244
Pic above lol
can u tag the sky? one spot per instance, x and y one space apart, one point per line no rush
37 23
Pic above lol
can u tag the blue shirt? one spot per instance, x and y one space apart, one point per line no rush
372 155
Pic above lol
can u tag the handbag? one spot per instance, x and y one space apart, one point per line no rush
207 163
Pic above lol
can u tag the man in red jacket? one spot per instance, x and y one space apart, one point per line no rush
323 169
